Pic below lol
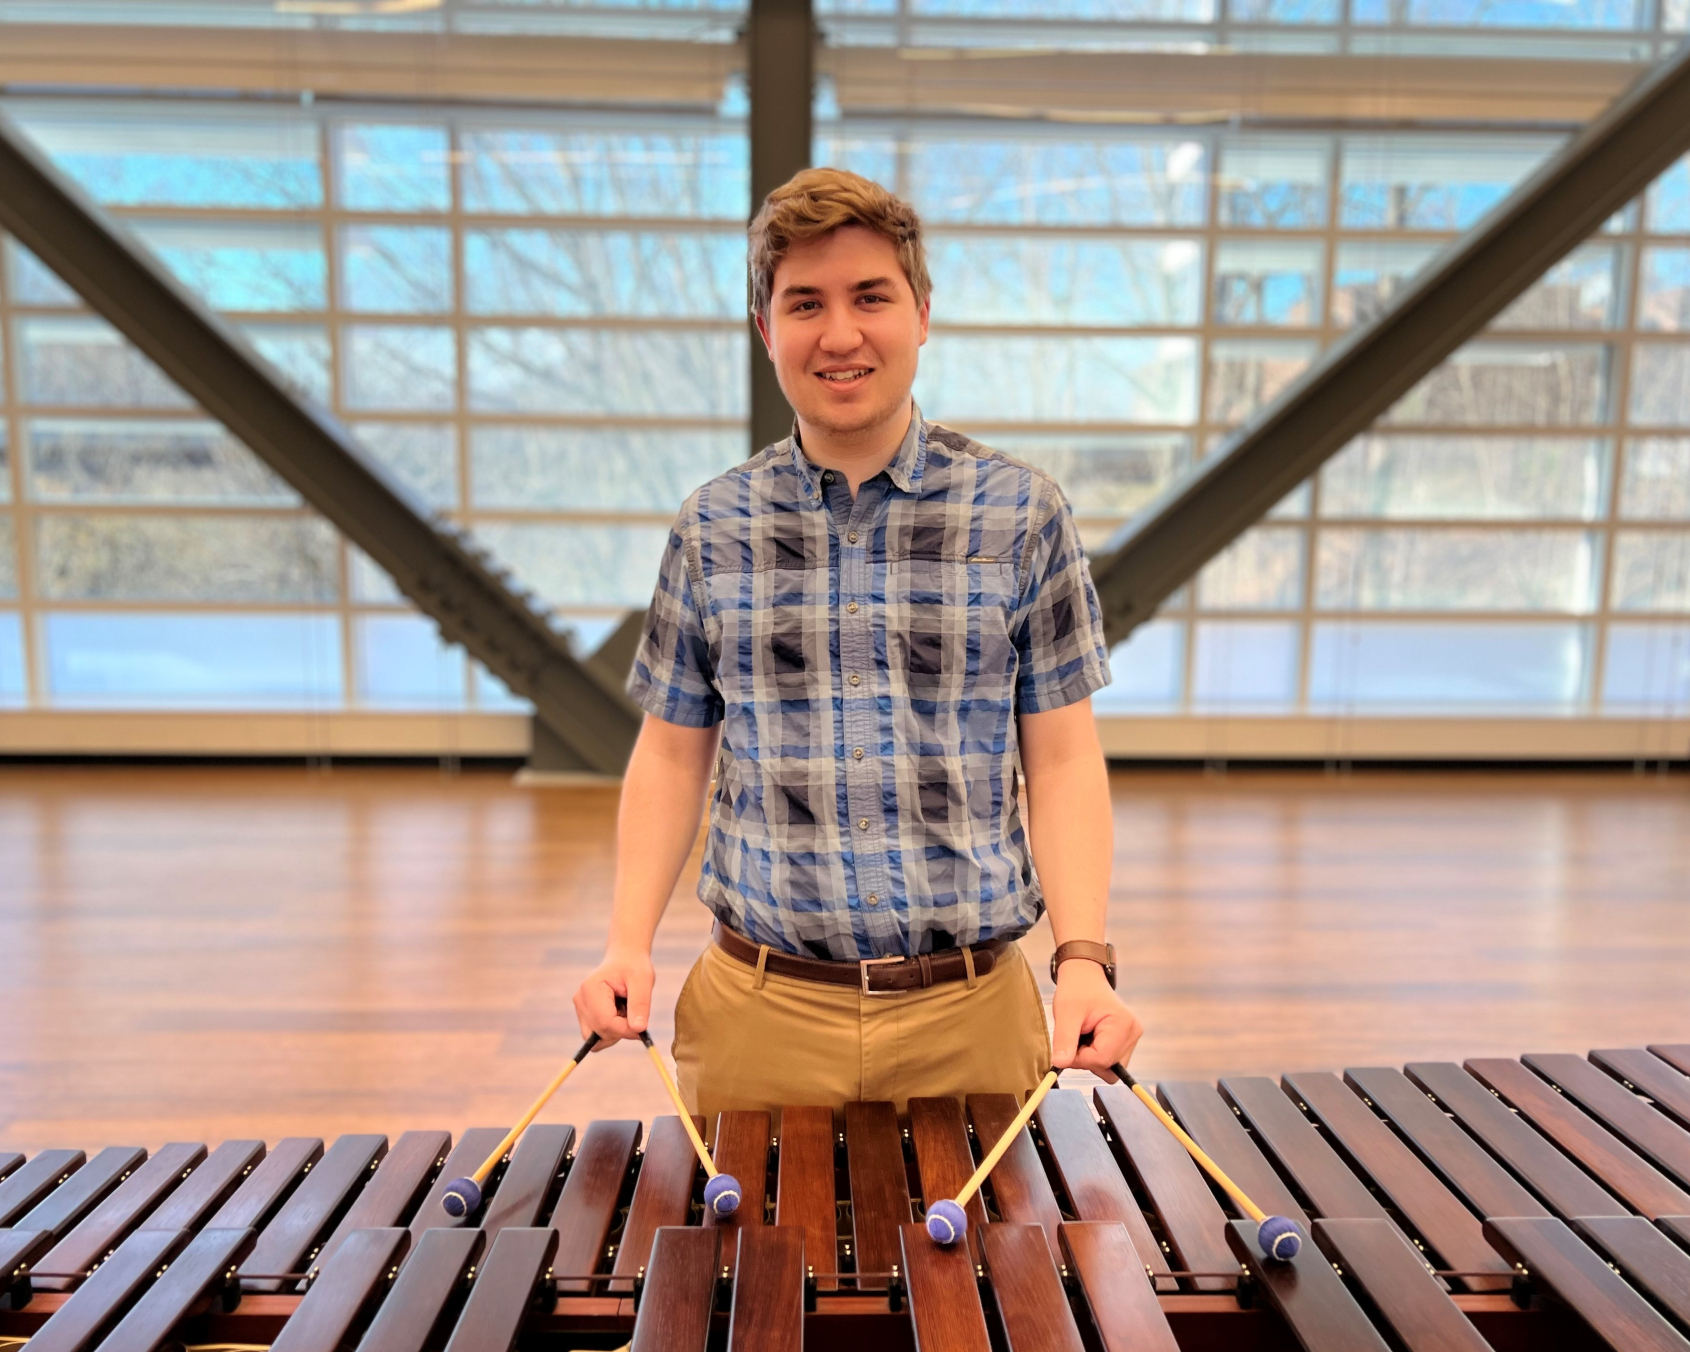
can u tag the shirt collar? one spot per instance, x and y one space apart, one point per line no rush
904 470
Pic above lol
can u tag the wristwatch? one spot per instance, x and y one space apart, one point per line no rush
1102 954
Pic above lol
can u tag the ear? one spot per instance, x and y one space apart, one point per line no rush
921 319
768 344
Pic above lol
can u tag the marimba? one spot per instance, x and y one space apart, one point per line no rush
1541 1203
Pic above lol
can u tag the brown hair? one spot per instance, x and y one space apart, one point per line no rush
816 202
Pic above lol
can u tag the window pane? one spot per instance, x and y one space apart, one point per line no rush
1148 671
649 371
392 168
423 457
648 273
370 583
1268 282
1579 292
396 269
1421 183
164 461
14 688
494 696
999 280
1456 570
1657 478
581 565
8 560
1648 668
184 558
403 664
968 376
1245 665
1245 374
1102 475
1448 668
1500 384
1261 570
1651 571
299 352
202 661
607 171
1368 273
33 282
541 469
1663 300
1050 181
129 154
1276 182
1591 14
87 362
401 367
872 156
1660 384
1668 210
242 266
1499 478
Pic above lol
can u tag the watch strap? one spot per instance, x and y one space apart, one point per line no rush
1102 954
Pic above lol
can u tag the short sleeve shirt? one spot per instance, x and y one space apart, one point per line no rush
867 659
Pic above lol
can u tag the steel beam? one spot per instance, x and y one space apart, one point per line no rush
592 724
1605 166
780 45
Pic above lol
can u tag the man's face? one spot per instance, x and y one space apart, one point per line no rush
844 330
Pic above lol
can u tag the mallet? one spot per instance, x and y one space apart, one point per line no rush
947 1220
463 1195
721 1191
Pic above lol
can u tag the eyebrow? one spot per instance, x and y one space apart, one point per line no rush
869 285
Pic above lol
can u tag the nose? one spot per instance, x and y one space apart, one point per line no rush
843 334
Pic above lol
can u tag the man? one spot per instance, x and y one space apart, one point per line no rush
866 630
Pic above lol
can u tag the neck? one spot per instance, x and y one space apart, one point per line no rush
861 453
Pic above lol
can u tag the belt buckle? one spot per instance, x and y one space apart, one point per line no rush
863 964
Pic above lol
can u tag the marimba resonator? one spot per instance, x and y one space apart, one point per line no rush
1535 1204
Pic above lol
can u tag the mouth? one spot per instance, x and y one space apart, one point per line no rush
845 377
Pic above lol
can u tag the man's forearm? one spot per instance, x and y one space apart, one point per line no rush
1070 830
656 827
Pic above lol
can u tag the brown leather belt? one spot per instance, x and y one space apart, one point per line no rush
872 976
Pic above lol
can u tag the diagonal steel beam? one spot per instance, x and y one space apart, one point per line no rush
1605 166
457 586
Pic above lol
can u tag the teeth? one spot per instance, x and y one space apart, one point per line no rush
843 375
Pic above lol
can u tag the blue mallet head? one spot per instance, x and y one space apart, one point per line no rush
721 1194
1280 1238
946 1222
461 1198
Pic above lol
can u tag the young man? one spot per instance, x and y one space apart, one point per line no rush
867 630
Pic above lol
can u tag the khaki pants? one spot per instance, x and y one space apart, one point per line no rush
762 1042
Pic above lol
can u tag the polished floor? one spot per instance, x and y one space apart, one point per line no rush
210 953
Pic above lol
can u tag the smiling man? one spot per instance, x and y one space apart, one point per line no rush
867 630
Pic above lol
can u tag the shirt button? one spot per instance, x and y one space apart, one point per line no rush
862 823
851 609
855 679
857 754
852 537
873 899
828 477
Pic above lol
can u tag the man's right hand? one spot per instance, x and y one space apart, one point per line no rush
627 976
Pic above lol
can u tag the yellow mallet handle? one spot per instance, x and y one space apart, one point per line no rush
675 1098
1010 1133
480 1175
1214 1170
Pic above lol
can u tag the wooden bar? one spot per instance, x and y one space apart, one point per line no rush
587 1208
1459 1160
662 1196
287 1242
1676 1226
1300 1152
1097 1189
1440 1218
361 1262
393 1190
212 1183
1032 1305
944 1161
504 1289
1649 1260
680 1291
1567 1189
1402 1292
1678 1057
73 1199
261 1192
427 1282
195 1274
20 1251
944 1295
804 1187
1207 1119
1191 1218
101 1229
880 1195
1307 1293
1647 1130
1649 1074
1020 1187
1124 1312
1559 1260
768 1299
22 1189
741 1147
468 1155
9 1161
1633 1180
530 1179
84 1316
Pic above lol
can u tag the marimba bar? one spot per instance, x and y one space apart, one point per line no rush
1533 1204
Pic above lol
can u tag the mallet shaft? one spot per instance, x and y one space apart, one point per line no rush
1196 1151
680 1107
480 1175
1003 1142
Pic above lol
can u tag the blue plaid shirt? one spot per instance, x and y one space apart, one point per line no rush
868 659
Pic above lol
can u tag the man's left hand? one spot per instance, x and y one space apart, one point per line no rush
1086 1004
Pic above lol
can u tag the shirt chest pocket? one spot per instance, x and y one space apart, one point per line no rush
947 626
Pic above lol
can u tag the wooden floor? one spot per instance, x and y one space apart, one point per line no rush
209 953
